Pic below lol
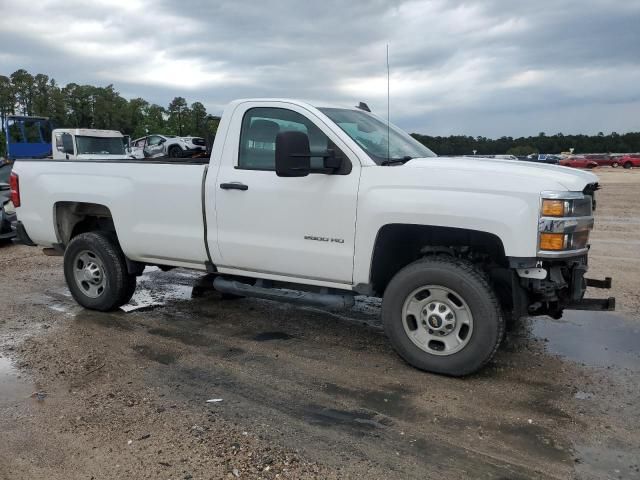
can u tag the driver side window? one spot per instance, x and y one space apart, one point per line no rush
261 125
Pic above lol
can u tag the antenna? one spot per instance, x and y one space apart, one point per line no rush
388 112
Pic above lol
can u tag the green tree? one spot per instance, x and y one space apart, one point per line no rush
23 87
41 94
178 115
136 111
154 119
521 150
198 116
7 99
57 108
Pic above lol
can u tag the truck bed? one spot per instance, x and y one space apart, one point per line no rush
157 203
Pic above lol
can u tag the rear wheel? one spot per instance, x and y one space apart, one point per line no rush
615 164
96 272
175 152
442 316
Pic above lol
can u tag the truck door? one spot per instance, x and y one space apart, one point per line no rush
155 146
298 227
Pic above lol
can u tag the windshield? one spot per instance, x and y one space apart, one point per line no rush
381 143
100 145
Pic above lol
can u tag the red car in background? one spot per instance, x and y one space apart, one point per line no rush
602 159
578 162
628 161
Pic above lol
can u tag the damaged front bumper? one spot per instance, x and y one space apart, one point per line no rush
550 286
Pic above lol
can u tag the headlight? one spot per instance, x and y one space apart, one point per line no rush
564 224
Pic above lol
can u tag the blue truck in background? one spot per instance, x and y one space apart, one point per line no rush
27 137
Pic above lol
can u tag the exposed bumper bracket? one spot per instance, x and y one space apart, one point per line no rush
606 304
606 283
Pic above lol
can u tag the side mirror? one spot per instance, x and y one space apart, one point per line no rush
67 143
162 140
293 155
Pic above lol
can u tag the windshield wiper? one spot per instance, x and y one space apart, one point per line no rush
396 161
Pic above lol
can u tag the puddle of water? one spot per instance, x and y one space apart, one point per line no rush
598 339
607 461
353 420
156 294
165 358
12 388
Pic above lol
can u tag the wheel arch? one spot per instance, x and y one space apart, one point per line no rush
397 245
74 218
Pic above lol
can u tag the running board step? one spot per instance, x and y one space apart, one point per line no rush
333 301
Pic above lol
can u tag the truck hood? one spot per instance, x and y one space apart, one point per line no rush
570 178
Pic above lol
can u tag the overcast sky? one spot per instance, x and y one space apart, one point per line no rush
481 67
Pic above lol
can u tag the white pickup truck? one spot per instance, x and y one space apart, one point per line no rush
87 144
317 204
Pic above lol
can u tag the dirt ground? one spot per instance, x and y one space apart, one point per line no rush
302 393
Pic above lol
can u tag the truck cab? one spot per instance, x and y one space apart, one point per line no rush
88 144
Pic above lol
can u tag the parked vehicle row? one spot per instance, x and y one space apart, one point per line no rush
578 162
628 161
592 160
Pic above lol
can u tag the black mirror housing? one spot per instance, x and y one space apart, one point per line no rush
293 155
67 143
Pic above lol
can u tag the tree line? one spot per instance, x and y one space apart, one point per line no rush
87 106
542 143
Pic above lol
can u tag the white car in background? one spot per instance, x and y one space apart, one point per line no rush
153 146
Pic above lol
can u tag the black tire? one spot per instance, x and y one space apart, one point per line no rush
175 152
118 285
615 164
129 290
473 287
628 165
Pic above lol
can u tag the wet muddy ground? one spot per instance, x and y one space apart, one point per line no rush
302 393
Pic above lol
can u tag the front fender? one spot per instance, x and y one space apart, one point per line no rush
512 216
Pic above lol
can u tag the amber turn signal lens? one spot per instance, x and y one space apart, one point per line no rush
552 241
553 208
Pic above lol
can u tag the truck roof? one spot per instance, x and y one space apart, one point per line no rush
88 132
303 103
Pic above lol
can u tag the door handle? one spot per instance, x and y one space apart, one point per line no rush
234 186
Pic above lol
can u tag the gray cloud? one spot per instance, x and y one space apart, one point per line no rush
484 67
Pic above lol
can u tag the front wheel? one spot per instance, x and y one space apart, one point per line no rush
95 269
442 316
628 165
